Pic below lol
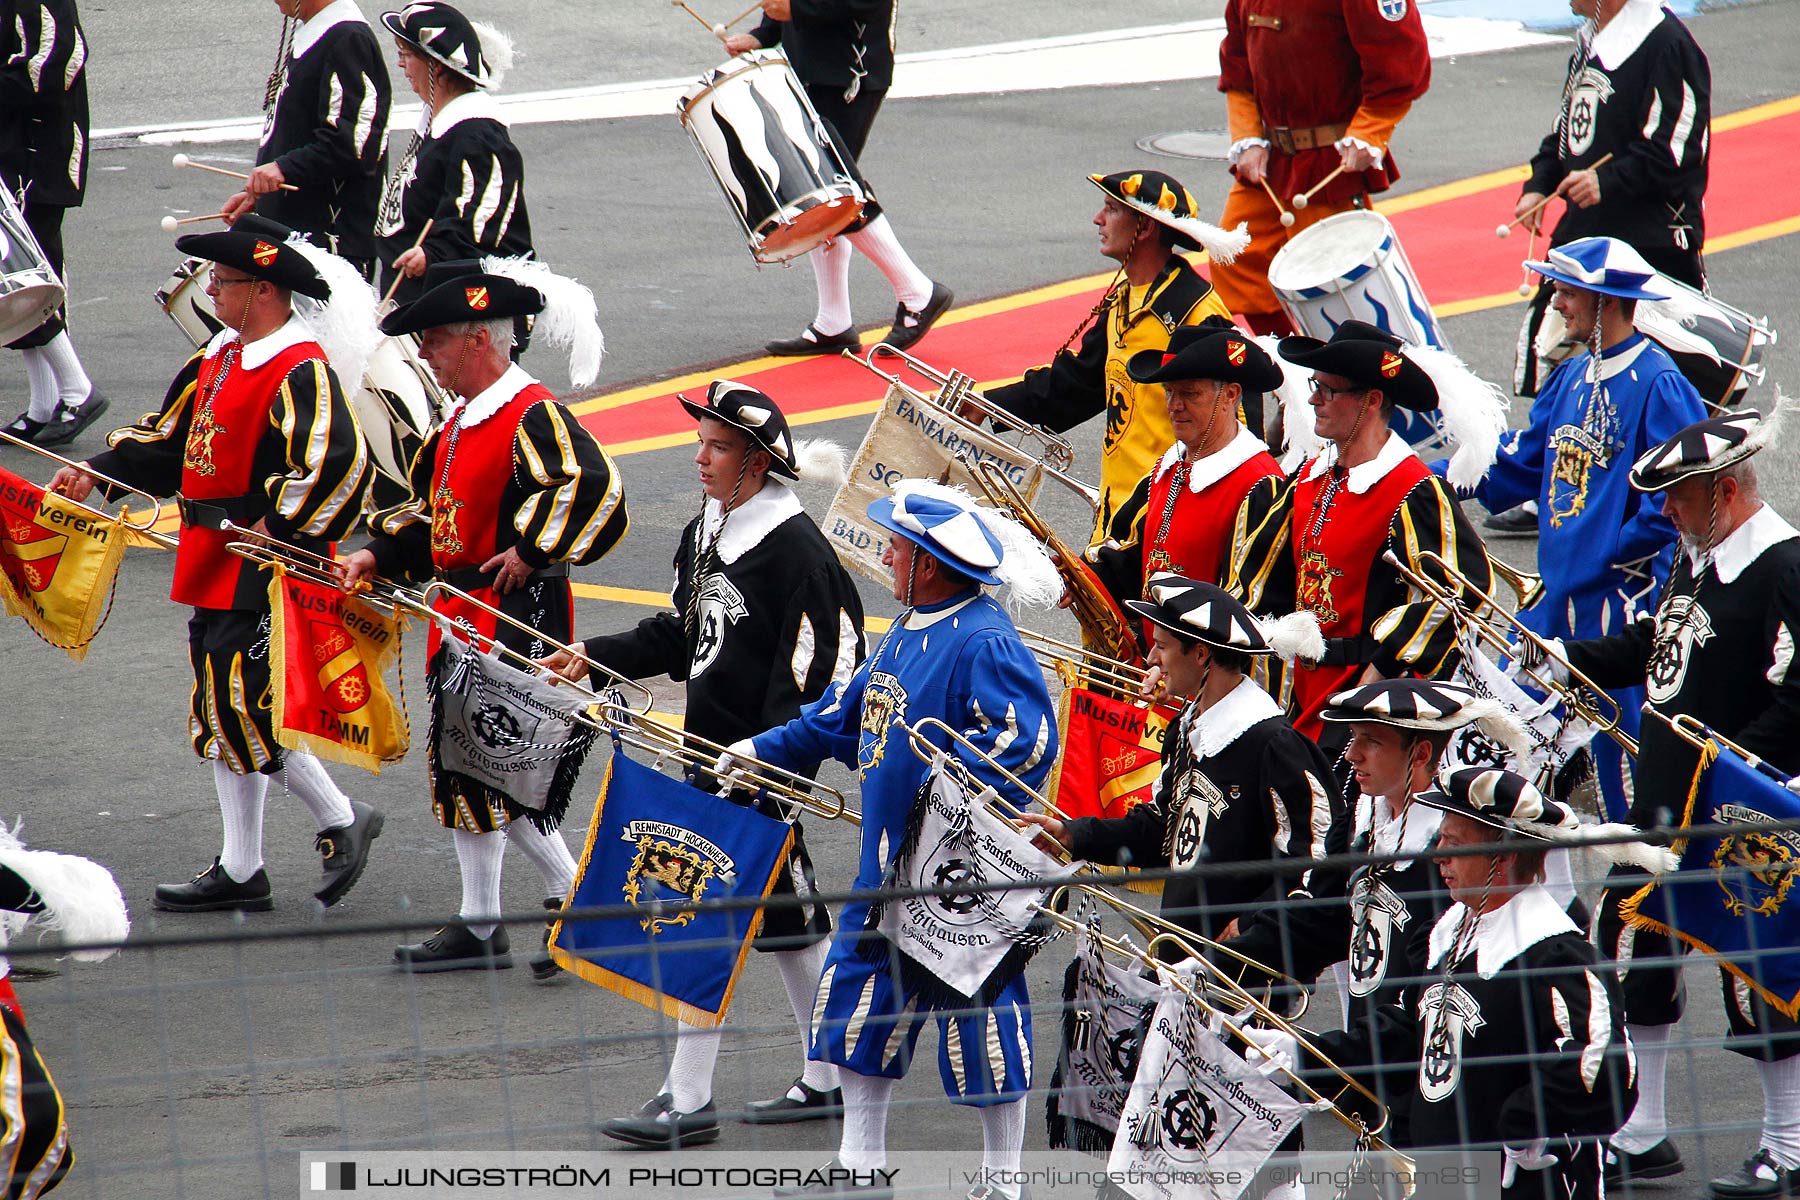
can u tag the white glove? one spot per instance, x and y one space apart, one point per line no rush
1793 784
1547 660
740 751
1281 1051
1534 1157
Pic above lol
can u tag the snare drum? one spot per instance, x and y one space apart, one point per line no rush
1719 348
782 174
185 300
30 292
1352 267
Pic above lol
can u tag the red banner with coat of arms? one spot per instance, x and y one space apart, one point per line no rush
58 562
328 652
1111 753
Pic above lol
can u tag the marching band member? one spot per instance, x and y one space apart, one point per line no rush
1179 518
1604 548
1719 649
843 55
1237 783
1365 918
325 131
255 431
955 655
1319 544
508 494
765 619
1514 1030
1310 88
44 161
461 172
1146 220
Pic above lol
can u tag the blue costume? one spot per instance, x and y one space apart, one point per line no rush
961 661
1604 550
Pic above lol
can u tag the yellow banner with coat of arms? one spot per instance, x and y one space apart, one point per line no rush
58 563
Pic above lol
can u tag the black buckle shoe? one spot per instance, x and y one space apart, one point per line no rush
69 423
903 335
818 343
835 1181
212 890
345 851
26 428
1520 520
785 1110
658 1126
1758 1179
1658 1162
454 948
544 968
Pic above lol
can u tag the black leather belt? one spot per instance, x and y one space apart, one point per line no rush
471 579
200 515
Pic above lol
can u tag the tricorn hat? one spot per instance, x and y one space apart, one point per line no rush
1208 351
260 247
459 290
1369 356
1161 198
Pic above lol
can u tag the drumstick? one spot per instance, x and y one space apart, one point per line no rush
747 12
399 274
1530 253
717 31
170 224
1506 229
1287 218
1302 199
182 160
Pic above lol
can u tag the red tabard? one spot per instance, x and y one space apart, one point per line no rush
1332 568
217 461
1315 62
1199 541
465 502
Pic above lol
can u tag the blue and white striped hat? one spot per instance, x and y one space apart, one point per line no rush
1601 264
947 525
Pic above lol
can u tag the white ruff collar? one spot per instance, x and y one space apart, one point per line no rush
1522 922
1364 476
1207 471
1222 724
497 396
258 353
1744 545
751 521
470 106
336 13
1409 833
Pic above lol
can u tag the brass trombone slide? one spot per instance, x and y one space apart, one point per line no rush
497 647
1586 700
318 568
136 522
665 742
1088 668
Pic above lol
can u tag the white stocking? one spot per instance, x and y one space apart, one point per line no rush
689 1082
72 383
912 287
800 971
305 777
1003 1141
866 1098
548 853
241 811
1781 1110
42 378
831 274
1647 1124
479 855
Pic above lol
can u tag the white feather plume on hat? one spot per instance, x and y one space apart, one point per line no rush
82 901
345 325
1296 635
570 321
1300 437
819 461
1029 575
1658 860
1472 413
497 50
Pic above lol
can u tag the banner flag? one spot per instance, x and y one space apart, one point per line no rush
1111 753
1555 733
963 945
1106 1011
1199 1120
328 653
58 564
910 438
656 841
509 734
1734 896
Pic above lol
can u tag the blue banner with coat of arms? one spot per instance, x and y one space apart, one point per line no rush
654 843
1735 896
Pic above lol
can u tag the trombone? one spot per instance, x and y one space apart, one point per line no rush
1078 666
1098 613
614 680
665 743
1216 987
143 526
1587 700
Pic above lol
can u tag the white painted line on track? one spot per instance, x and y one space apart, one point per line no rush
1144 54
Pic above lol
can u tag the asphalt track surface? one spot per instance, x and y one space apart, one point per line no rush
205 1071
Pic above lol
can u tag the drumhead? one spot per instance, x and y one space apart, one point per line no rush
26 302
743 64
1329 251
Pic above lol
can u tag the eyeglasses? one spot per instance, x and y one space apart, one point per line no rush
1319 385
220 281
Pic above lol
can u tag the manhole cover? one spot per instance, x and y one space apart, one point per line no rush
1189 143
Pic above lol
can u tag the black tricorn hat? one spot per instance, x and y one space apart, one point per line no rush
1703 448
258 246
1208 351
459 290
1201 612
743 407
444 35
1372 357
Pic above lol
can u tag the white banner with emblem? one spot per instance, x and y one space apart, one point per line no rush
911 438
